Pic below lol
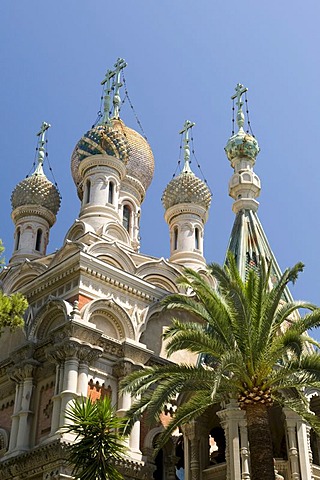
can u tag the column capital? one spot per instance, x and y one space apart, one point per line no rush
69 349
22 371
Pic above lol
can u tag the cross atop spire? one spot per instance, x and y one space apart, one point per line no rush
186 127
113 75
107 90
240 90
41 150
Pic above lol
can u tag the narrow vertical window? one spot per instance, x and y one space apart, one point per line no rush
17 243
196 238
110 192
88 191
175 238
126 217
38 240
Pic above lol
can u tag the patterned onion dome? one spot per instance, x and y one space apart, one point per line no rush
140 165
36 190
186 188
102 139
116 140
242 145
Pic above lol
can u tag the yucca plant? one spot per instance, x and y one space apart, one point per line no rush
248 349
98 444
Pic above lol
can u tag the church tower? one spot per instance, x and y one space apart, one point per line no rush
248 241
186 200
112 166
35 204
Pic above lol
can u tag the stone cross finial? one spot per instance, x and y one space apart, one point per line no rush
119 65
41 149
186 127
240 90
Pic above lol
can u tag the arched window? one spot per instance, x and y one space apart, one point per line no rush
196 238
175 238
18 235
88 191
38 240
126 217
110 192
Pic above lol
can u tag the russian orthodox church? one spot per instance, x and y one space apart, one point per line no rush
94 307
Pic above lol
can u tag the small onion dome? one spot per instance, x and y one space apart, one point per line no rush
186 188
36 190
242 145
140 165
102 139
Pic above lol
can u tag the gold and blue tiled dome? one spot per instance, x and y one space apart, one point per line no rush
101 139
36 190
140 164
112 137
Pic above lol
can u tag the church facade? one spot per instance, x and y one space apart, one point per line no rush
94 308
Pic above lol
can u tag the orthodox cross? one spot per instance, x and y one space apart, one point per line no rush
41 144
186 127
107 90
119 65
240 90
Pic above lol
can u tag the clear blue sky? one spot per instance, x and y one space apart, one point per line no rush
184 59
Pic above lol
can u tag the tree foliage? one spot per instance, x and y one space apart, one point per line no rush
249 349
12 307
98 445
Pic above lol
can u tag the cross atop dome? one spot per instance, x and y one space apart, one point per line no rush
41 149
113 75
240 90
186 127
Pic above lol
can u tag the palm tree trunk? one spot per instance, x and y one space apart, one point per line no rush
260 443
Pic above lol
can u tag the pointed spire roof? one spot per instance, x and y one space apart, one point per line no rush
248 241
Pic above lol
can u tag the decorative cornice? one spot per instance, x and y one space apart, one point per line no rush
33 210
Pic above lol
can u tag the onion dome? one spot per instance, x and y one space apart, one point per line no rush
242 145
186 187
37 189
101 139
140 164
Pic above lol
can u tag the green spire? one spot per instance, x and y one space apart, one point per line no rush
240 90
41 149
186 127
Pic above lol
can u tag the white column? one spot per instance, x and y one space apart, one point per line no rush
15 416
291 421
230 418
244 449
303 432
23 431
56 399
82 387
70 382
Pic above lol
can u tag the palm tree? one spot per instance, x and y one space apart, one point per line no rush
249 350
98 444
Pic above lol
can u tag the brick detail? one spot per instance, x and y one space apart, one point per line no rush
6 411
82 299
45 411
97 391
